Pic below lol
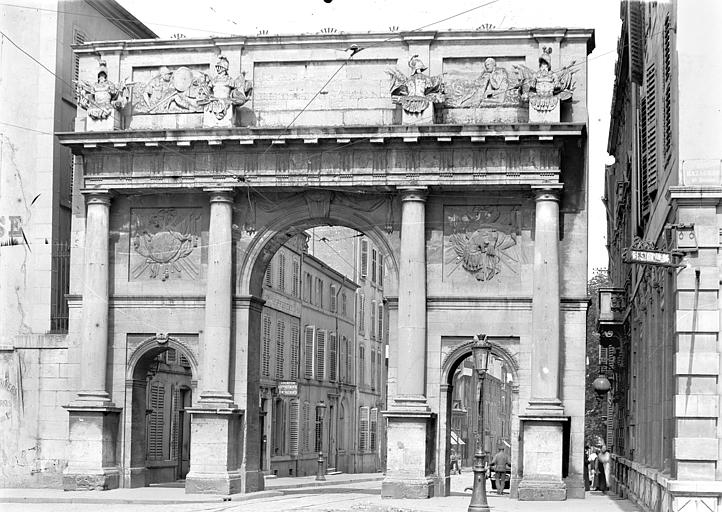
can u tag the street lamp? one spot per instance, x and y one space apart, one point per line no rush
320 414
481 350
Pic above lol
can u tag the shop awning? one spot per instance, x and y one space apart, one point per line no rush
455 439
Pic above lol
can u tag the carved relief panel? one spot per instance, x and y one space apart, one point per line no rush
164 244
482 242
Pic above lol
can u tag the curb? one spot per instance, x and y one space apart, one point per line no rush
140 501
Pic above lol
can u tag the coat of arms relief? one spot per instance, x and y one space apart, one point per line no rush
482 241
164 243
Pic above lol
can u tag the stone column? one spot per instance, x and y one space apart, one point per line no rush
543 422
93 418
409 449
215 420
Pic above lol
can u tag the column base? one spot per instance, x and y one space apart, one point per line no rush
407 488
410 447
93 436
531 489
216 451
545 407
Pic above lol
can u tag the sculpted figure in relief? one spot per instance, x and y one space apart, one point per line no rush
416 92
545 88
222 92
170 91
102 97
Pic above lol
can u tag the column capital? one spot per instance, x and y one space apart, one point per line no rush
97 196
547 192
417 194
220 195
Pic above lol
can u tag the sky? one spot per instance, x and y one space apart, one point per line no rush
202 18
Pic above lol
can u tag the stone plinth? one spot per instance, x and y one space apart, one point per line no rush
215 452
211 121
552 116
542 452
92 465
110 123
408 455
485 115
425 117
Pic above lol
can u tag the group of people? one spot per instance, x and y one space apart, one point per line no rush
500 465
598 465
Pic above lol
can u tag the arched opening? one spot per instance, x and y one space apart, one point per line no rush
161 386
491 422
322 330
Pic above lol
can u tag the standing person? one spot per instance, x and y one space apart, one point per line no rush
603 469
593 467
500 465
586 468
455 468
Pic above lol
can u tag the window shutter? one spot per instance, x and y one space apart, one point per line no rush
373 368
372 428
294 286
636 41
320 355
282 272
343 304
175 401
363 429
266 354
380 320
308 352
295 342
648 146
361 313
155 421
667 113
293 427
361 366
373 265
364 258
373 320
349 360
333 298
306 425
78 38
381 270
332 356
280 344
268 278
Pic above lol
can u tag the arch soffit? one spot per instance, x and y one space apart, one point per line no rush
156 345
294 221
461 352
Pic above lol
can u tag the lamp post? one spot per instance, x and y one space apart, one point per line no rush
320 414
481 350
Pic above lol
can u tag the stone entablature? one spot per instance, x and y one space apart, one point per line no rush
467 77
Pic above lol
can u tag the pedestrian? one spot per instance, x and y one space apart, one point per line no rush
455 468
593 467
603 469
586 467
500 465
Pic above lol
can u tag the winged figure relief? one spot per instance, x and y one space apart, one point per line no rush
416 92
545 88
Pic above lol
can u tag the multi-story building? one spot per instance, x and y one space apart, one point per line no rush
659 321
357 257
37 99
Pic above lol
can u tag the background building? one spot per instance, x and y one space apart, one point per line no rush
659 325
37 99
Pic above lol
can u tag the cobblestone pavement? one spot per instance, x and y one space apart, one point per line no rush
353 497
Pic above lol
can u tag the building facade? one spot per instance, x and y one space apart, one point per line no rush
659 321
474 192
37 98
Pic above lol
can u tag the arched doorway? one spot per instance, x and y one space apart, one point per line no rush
309 346
160 386
459 425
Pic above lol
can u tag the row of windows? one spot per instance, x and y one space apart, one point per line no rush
303 437
376 332
281 370
374 268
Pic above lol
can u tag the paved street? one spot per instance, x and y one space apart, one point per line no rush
360 496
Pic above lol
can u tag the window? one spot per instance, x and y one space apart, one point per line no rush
282 272
293 427
332 356
373 320
278 441
648 143
380 373
349 359
344 301
320 354
294 285
363 429
373 265
78 38
319 292
156 402
295 341
380 279
373 425
268 278
361 313
364 258
667 84
361 366
175 417
306 425
308 295
308 352
380 319
373 368
280 344
318 440
332 299
266 351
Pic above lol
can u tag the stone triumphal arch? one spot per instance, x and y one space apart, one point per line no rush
461 155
